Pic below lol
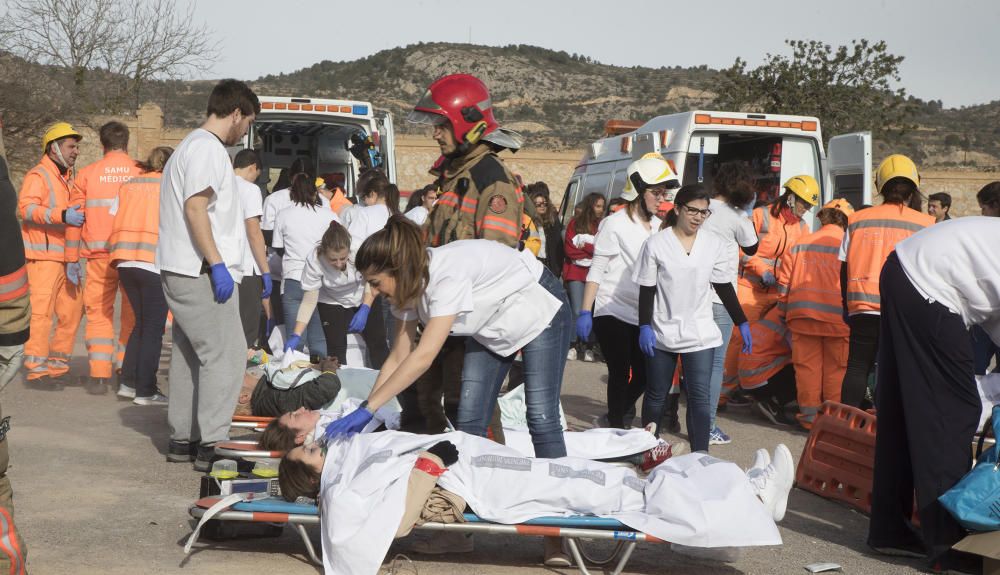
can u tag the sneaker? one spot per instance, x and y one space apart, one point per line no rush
655 456
912 551
774 482
125 391
96 386
206 456
761 459
738 399
181 451
555 554
588 355
718 437
444 542
571 354
155 399
770 409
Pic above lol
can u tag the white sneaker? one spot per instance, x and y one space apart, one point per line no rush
126 391
555 554
571 355
444 542
773 483
588 355
155 399
761 459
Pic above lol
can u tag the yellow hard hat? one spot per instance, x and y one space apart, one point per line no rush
896 166
840 204
58 131
320 182
804 187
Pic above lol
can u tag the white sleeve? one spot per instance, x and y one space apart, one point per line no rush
745 233
253 206
277 240
844 245
606 241
268 213
312 273
208 167
598 265
646 266
720 269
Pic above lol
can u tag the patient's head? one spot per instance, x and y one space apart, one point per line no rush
288 430
300 470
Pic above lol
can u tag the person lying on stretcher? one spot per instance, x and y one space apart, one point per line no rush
372 487
640 447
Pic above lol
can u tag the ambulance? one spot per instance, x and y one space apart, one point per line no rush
339 136
776 147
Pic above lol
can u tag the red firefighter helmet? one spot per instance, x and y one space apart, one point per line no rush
461 99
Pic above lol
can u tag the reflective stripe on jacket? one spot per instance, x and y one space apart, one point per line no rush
136 224
771 351
43 198
809 284
776 237
95 188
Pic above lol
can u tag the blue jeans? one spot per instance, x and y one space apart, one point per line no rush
544 361
697 370
575 291
725 324
290 301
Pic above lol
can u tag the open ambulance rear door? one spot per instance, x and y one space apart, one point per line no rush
849 169
386 142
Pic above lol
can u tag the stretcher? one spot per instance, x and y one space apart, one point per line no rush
572 529
254 422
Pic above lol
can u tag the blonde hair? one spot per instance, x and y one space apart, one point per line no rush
397 250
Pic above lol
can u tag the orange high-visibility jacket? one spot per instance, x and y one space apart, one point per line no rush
872 234
809 284
43 198
771 351
135 230
95 188
776 236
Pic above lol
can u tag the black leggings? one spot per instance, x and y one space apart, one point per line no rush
142 353
335 319
620 346
860 359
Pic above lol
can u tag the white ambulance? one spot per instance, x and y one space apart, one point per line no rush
776 147
324 131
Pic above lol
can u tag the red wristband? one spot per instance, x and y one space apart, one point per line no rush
429 467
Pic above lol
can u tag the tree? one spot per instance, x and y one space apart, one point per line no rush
849 88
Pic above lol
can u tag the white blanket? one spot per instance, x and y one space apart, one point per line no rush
694 500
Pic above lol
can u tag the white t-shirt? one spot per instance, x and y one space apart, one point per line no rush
957 264
298 229
252 202
418 215
736 230
682 318
492 290
200 162
274 203
365 221
619 239
343 288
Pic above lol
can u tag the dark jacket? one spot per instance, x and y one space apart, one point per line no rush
15 310
555 253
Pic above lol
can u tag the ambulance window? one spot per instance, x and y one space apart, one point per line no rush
851 187
596 184
569 200
617 184
799 157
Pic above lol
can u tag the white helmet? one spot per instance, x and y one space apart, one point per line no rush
649 170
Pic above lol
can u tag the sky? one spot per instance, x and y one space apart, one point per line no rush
951 47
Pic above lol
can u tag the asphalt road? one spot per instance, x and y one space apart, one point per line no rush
94 494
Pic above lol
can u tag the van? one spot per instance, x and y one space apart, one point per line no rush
324 131
776 147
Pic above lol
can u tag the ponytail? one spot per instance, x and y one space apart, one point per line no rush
335 238
376 183
302 188
397 250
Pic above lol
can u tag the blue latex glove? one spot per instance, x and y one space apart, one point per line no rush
747 338
267 286
74 217
348 425
360 319
768 279
293 342
222 283
647 340
73 272
584 324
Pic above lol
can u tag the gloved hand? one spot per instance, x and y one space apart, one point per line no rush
267 286
359 320
647 340
72 216
348 425
768 279
73 273
747 338
293 342
584 324
222 283
446 451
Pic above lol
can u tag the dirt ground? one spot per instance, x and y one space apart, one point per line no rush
94 494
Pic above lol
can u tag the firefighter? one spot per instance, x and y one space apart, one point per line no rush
871 236
50 228
809 284
95 188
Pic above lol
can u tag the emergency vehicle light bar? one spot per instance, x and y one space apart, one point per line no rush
807 125
356 109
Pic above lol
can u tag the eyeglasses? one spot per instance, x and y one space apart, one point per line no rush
541 204
696 212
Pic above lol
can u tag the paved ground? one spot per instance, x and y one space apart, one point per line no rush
94 494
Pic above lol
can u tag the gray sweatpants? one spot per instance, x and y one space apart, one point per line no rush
207 361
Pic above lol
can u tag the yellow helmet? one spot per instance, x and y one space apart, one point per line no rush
58 131
805 187
320 183
840 204
896 166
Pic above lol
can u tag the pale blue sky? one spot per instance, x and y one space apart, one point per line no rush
952 47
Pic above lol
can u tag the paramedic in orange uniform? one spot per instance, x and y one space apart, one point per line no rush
50 227
779 225
95 188
809 284
871 236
